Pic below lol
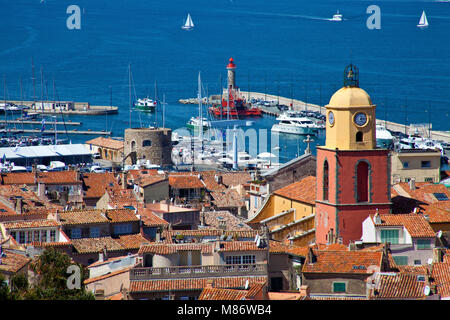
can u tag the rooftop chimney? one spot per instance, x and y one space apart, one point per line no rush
124 180
412 184
19 205
105 253
101 256
311 255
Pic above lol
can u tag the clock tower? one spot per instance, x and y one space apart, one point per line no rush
353 175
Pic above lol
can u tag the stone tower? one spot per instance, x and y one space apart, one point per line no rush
353 175
231 67
154 144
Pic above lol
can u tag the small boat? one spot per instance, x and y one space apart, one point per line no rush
337 17
145 104
194 123
384 137
189 24
293 123
423 22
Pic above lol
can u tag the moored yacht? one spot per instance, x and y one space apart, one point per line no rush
293 123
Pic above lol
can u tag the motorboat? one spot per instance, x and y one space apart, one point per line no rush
293 123
337 17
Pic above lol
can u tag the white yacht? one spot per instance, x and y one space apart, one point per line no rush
337 17
145 104
293 123
384 137
194 123
430 144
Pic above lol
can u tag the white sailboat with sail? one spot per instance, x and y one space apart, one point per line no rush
188 24
423 22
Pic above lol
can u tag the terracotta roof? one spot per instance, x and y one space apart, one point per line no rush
413 269
39 223
438 212
31 203
150 219
191 284
416 224
117 296
353 262
106 143
13 262
165 248
132 241
151 179
441 275
51 177
236 178
239 246
91 245
398 286
76 217
222 294
332 298
96 183
214 219
303 190
278 247
423 190
228 198
285 296
211 233
185 182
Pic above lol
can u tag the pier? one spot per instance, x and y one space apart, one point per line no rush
67 123
50 132
65 107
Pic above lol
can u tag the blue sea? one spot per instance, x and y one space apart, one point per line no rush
287 47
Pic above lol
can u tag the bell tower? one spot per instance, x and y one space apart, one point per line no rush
353 175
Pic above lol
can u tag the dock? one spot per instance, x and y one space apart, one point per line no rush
50 132
65 107
67 123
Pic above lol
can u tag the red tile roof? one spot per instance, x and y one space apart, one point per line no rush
423 190
191 284
106 143
13 262
76 217
398 286
132 241
185 182
353 262
165 248
150 219
239 246
122 243
228 198
416 224
31 178
303 190
109 275
441 276
222 294
95 184
25 224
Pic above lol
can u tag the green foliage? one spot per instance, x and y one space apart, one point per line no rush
5 293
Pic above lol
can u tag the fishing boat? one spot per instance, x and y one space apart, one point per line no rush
189 25
293 123
194 123
145 104
423 22
234 107
337 17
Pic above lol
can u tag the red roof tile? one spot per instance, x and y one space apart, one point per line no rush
398 286
185 182
39 223
13 262
441 275
165 248
95 184
106 143
416 224
51 177
303 190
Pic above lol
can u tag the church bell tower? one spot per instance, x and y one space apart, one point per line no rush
353 175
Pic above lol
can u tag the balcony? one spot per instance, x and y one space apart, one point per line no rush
180 272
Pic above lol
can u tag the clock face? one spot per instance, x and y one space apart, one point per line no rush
360 119
331 118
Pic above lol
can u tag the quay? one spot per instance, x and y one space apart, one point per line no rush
49 132
66 107
67 123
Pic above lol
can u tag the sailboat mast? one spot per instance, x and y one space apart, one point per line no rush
200 113
156 106
42 89
129 89
4 97
21 99
34 83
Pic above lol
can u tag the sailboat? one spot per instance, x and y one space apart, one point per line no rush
189 24
423 22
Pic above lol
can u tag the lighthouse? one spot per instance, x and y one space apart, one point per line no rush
231 67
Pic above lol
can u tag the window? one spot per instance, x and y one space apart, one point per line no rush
75 233
401 260
52 235
428 179
44 235
405 165
359 136
325 180
147 143
423 244
36 235
426 164
29 236
390 236
94 232
417 262
233 260
22 237
13 234
248 259
339 287
133 145
362 182
124 228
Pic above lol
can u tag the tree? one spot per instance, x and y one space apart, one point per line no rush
51 267
5 294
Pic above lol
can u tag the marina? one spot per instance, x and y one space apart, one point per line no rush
65 107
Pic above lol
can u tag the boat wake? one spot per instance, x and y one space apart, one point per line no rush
32 35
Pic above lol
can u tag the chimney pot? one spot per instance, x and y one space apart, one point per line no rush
412 184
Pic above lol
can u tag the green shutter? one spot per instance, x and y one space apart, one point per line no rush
423 244
339 287
401 260
390 236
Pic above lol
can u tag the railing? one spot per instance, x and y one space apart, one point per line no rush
175 272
